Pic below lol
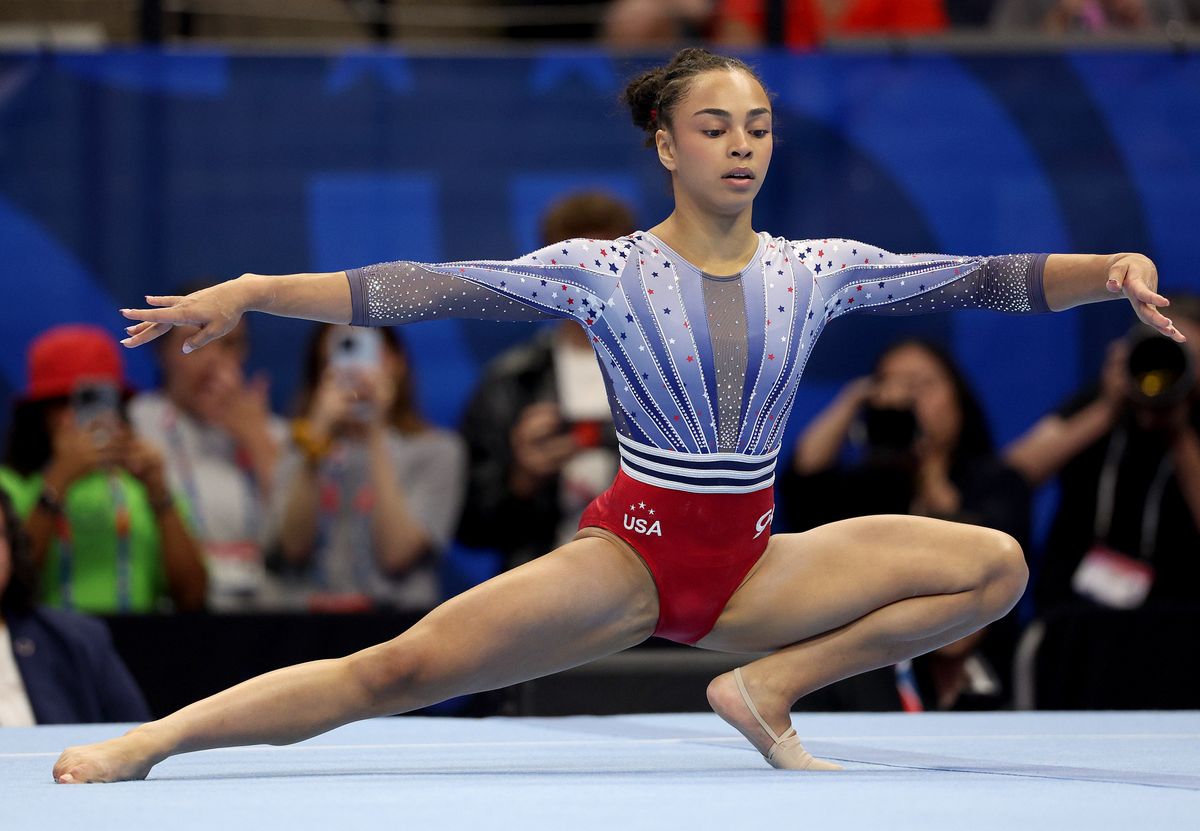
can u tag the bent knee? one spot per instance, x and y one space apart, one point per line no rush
1007 573
387 669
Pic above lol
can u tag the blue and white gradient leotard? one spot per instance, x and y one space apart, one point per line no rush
701 370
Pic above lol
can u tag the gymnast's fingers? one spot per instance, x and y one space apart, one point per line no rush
145 333
138 328
187 314
1149 313
208 332
163 300
1151 316
1137 289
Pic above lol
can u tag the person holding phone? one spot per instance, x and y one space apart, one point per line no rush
213 422
702 327
922 447
369 492
106 531
540 438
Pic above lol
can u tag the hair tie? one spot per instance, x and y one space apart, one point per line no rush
653 114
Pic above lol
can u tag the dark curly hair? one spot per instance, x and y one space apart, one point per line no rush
652 96
18 596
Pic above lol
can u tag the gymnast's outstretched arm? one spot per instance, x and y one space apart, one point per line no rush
378 295
217 309
563 280
873 281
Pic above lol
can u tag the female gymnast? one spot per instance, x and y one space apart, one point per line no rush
702 327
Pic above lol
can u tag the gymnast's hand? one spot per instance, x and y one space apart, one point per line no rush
216 310
1135 276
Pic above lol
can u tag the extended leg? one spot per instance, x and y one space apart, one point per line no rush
853 596
581 602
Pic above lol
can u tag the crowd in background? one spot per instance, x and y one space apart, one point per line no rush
630 24
195 495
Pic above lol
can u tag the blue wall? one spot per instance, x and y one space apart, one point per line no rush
125 173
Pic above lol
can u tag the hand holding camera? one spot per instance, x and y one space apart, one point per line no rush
540 446
912 423
146 463
887 419
239 406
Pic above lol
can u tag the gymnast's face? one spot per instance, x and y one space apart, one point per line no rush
719 144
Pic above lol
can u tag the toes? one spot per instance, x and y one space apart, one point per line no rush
822 765
66 773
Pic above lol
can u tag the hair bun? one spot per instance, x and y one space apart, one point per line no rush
641 96
652 95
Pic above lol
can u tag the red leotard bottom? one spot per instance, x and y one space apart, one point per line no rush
698 546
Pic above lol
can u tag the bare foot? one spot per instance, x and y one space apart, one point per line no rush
726 700
115 760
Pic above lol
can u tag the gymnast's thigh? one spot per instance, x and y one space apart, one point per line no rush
580 602
813 582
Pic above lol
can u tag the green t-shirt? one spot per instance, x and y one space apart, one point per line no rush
83 566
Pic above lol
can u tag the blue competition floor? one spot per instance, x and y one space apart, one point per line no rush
1062 771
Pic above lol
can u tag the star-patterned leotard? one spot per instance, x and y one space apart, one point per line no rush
701 370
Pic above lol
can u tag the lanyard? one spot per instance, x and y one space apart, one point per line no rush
906 686
332 484
182 454
122 528
122 522
1106 494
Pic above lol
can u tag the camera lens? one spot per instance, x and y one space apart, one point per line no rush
1161 370
891 429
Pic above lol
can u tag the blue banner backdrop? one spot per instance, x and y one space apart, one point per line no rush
131 172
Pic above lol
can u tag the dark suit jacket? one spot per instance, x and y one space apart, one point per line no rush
71 671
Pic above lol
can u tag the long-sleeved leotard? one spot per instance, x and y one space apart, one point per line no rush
701 372
700 368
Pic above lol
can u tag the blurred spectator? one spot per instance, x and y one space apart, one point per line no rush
1127 458
808 23
969 14
369 492
222 447
1059 16
926 451
106 531
650 23
555 19
538 428
55 667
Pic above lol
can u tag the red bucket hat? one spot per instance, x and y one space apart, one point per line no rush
63 357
